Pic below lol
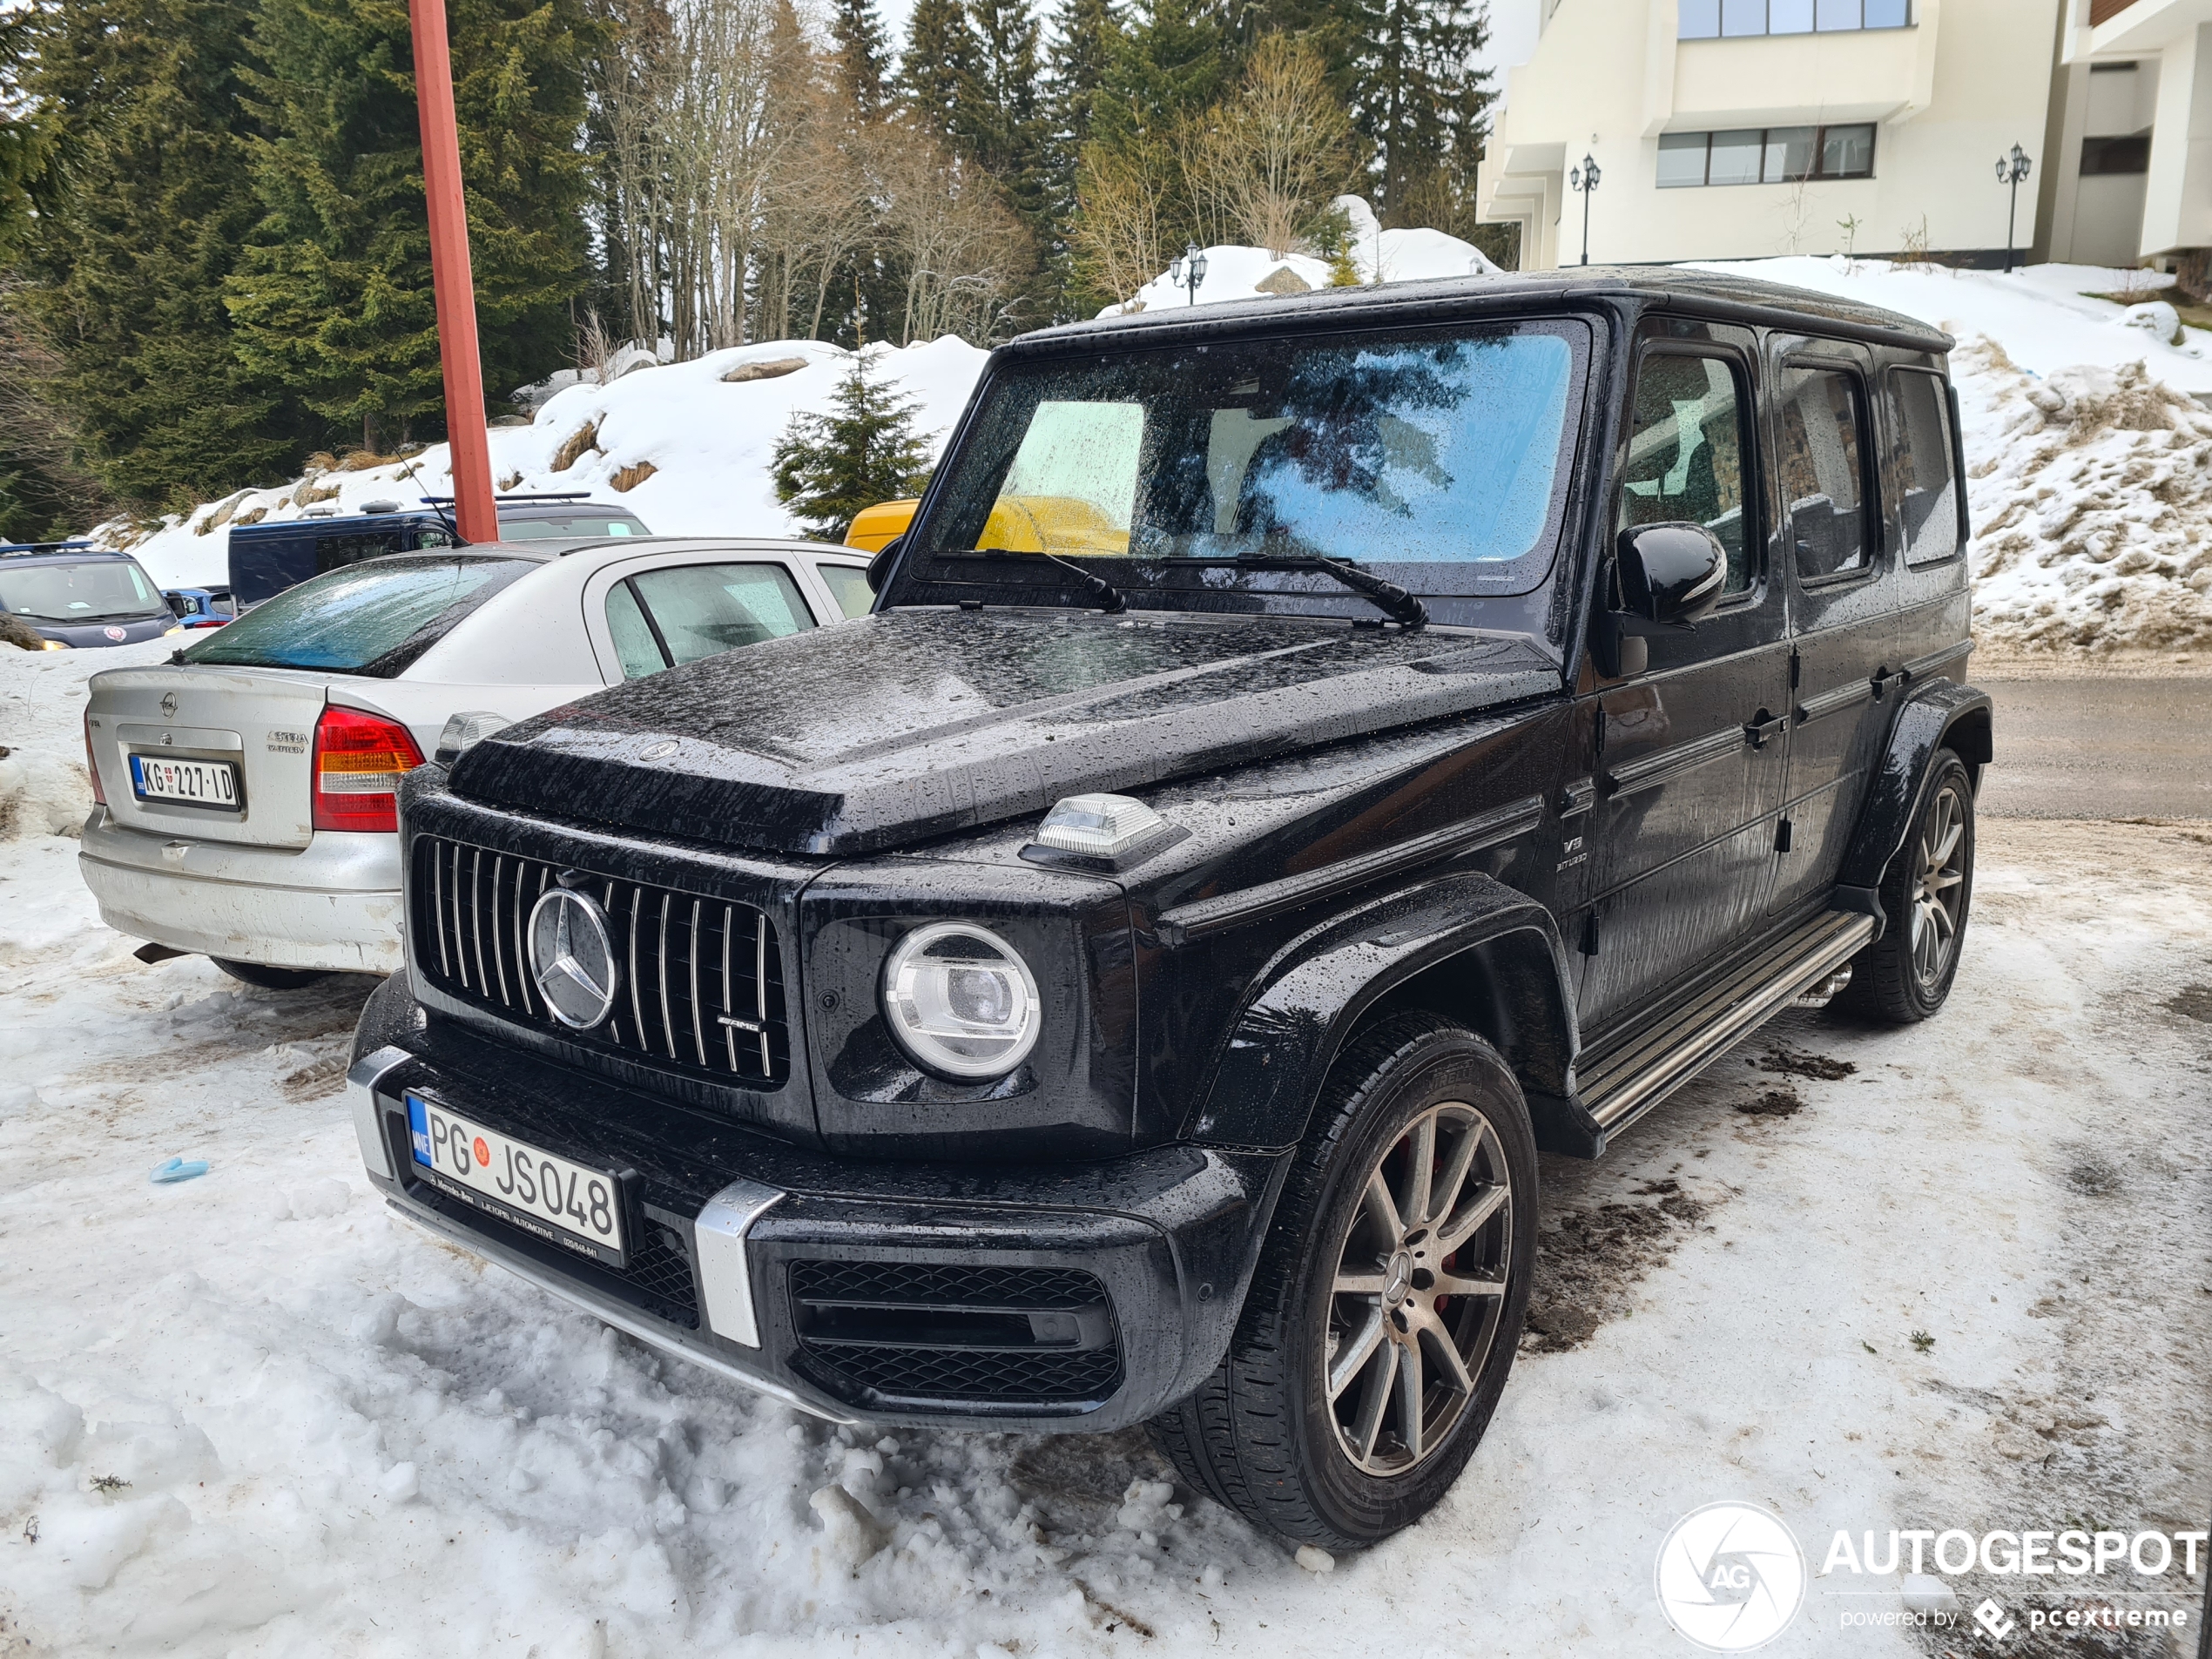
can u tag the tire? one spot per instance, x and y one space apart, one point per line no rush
1263 1435
267 978
1905 976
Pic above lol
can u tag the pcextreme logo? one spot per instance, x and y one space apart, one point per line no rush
1730 1577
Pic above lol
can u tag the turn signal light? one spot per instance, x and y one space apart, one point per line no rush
358 762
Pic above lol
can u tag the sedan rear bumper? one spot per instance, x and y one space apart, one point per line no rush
333 906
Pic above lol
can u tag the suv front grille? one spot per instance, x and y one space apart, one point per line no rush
702 985
956 1332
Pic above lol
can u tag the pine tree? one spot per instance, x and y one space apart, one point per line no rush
863 57
828 467
123 275
333 295
938 72
1418 101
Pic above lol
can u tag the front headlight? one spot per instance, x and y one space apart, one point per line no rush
960 1000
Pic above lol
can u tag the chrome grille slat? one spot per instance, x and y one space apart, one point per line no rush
499 931
475 917
699 1032
644 940
729 1031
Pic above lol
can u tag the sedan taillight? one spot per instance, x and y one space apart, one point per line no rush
91 761
358 761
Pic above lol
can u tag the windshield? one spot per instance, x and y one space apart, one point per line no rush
373 618
1436 459
515 529
95 590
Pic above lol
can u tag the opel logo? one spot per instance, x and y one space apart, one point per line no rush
168 704
572 957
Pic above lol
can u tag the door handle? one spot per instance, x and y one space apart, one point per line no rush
1763 725
1886 677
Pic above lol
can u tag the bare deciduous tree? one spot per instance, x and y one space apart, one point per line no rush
1277 151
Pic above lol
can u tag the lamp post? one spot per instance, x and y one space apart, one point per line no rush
1582 181
452 285
1187 270
2011 170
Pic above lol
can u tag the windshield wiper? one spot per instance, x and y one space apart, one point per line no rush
1110 598
1403 605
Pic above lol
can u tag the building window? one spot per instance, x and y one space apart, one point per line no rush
2116 155
1716 19
1770 155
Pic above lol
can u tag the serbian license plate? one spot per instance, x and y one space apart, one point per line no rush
550 1196
196 783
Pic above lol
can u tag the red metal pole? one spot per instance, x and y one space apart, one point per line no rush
476 509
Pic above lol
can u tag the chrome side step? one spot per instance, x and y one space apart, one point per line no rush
1628 1080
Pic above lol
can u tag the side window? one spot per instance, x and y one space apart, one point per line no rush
701 609
1824 472
635 645
1686 455
1927 485
848 585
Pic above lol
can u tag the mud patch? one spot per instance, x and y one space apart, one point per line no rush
1773 1103
1088 1471
2193 1001
2094 1177
315 1079
1793 1063
1588 1260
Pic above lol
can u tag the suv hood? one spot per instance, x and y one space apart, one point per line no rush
909 724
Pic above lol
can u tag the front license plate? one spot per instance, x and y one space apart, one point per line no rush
542 1194
196 783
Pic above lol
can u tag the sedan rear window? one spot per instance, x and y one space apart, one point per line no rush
373 618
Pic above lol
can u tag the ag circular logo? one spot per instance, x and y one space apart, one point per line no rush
1730 1577
572 957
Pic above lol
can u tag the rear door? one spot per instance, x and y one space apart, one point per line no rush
205 754
1927 520
1688 778
1843 603
646 615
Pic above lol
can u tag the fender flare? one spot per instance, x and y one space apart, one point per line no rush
1268 1074
1942 713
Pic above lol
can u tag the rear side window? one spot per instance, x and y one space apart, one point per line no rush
848 585
373 618
1686 455
693 610
1824 472
1926 480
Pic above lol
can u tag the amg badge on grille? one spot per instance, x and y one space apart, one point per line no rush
572 957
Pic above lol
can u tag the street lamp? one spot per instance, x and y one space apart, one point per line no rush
2011 170
1582 181
1187 270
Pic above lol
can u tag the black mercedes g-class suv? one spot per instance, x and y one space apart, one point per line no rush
1307 756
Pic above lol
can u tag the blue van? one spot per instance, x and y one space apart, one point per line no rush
265 559
72 593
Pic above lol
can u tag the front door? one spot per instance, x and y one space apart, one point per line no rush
1820 418
1689 771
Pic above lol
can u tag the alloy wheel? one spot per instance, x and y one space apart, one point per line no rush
1419 1290
1937 885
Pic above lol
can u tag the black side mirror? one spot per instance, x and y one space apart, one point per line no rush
880 566
1666 578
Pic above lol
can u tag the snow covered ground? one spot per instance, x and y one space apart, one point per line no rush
2090 454
252 1414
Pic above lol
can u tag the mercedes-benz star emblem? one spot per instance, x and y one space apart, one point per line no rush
572 957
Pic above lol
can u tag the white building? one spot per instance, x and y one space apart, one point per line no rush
1730 129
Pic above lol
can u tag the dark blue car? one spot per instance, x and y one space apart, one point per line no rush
265 559
74 594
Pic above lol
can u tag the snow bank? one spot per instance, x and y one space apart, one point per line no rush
685 446
44 790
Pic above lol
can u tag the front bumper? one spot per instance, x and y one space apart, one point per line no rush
1082 1296
333 906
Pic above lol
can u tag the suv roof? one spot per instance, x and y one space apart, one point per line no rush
1710 294
71 552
